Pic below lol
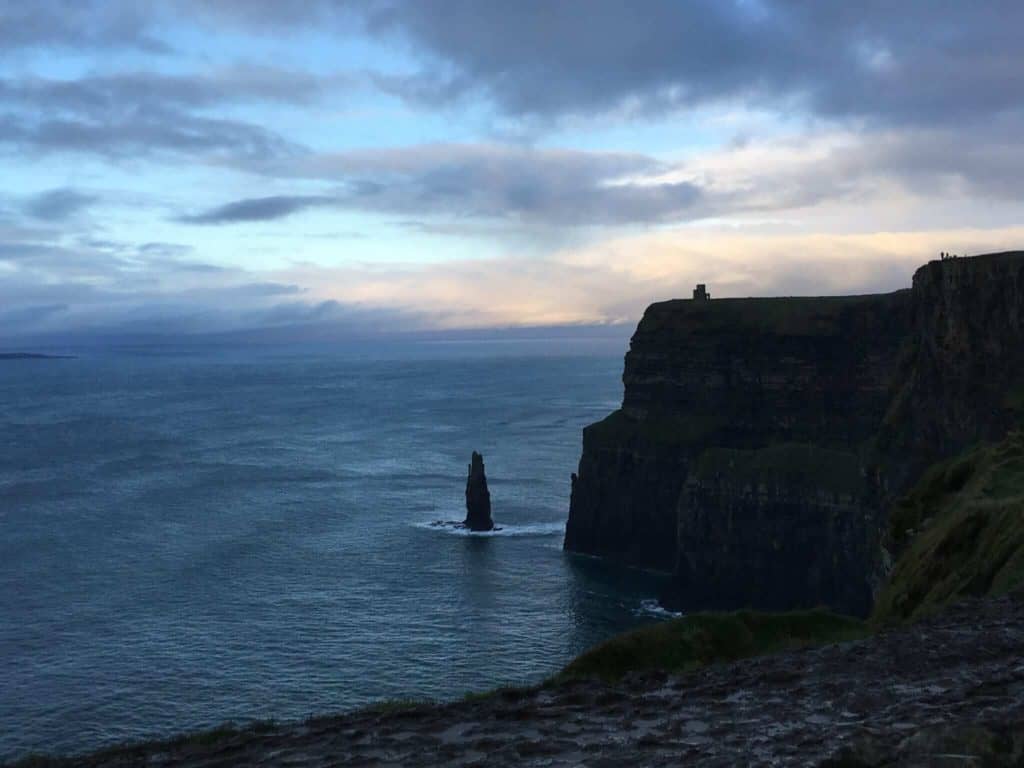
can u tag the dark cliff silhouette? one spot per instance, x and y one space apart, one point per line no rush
761 442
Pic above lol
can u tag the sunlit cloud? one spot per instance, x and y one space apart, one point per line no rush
201 166
612 282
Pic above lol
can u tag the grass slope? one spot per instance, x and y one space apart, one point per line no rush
960 532
706 638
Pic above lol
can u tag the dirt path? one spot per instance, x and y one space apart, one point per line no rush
941 693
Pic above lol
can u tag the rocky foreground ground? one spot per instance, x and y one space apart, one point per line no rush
946 691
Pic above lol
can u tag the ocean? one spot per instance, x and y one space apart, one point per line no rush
209 536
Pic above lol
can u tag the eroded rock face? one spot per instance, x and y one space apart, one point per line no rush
760 440
709 469
478 498
964 378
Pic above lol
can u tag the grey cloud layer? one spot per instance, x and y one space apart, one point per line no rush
81 24
132 91
58 204
255 209
926 66
560 187
913 61
565 188
101 288
134 114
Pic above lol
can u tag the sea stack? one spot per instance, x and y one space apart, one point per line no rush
478 498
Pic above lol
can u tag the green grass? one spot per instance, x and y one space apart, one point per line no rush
960 533
695 641
659 428
788 316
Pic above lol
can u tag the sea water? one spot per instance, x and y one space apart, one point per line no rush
193 538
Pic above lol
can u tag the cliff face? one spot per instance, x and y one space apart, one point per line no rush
964 379
760 440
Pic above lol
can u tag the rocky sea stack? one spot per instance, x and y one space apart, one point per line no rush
478 498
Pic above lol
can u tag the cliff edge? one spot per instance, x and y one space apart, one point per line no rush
945 691
761 442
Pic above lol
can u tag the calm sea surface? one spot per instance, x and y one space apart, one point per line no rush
191 539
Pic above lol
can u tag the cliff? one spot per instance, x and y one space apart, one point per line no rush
963 378
761 442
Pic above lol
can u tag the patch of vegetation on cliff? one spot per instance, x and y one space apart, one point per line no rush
960 532
695 641
659 427
791 465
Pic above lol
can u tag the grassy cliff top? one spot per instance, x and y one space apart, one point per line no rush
797 316
972 262
793 315
695 641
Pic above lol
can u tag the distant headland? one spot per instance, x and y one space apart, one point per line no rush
33 356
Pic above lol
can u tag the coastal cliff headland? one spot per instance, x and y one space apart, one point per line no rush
761 442
859 452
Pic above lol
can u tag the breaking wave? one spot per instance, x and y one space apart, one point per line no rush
526 529
652 607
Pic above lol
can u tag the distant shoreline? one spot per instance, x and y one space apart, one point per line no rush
32 356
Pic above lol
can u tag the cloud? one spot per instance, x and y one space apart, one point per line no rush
872 117
442 188
613 280
912 62
477 181
908 62
82 292
58 204
136 114
125 92
168 251
78 24
931 88
255 209
144 134
30 316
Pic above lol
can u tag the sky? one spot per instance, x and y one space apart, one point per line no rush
182 167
